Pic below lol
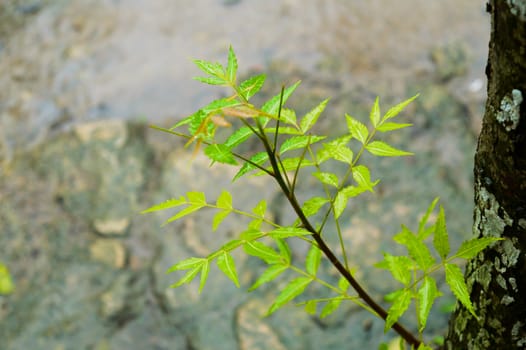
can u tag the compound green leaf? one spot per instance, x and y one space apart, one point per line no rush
400 305
441 240
272 105
188 277
261 208
385 127
252 85
422 232
292 290
313 259
340 202
212 68
310 119
262 251
361 175
400 267
427 293
231 245
313 205
469 249
416 248
296 142
226 263
288 231
171 203
231 69
220 153
374 115
270 274
455 280
330 307
357 129
258 158
382 149
327 178
393 111
205 268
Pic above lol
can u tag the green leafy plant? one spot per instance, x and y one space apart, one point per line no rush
6 282
291 152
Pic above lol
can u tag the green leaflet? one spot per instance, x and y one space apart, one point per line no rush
389 126
296 142
272 105
226 263
187 264
211 80
205 268
197 200
289 231
330 307
401 302
284 249
262 251
427 293
231 69
361 175
340 202
393 111
258 158
313 205
469 249
175 202
224 201
313 259
422 233
188 277
220 153
327 178
417 249
288 116
455 280
400 267
353 191
212 68
440 239
310 307
252 85
292 290
337 151
343 284
238 137
6 282
357 129
308 121
219 217
270 274
382 149
374 115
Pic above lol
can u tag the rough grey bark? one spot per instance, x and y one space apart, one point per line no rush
497 276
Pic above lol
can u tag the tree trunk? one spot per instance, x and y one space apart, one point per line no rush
497 276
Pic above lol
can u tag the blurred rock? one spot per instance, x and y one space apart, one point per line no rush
109 251
452 60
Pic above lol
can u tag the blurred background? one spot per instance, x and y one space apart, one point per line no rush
80 80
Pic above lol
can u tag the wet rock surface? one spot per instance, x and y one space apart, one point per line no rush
77 168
